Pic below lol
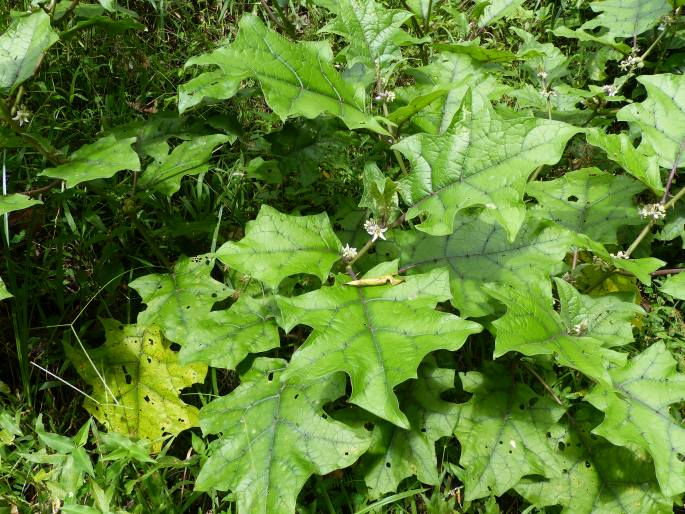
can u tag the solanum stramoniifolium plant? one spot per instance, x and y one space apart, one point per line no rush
484 293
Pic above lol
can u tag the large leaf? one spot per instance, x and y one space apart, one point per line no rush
619 149
176 300
502 430
478 251
297 79
627 18
22 48
277 245
469 165
273 435
674 286
224 338
101 159
660 118
596 476
608 318
636 406
188 158
143 378
398 453
374 34
378 335
210 86
590 202
16 202
532 327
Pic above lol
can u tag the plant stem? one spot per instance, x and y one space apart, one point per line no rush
651 223
671 271
672 174
368 245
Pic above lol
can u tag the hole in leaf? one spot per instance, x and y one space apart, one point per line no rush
423 429
572 198
549 435
129 379
561 446
149 360
214 295
587 463
564 470
347 453
387 464
175 347
325 416
270 377
297 396
368 426
146 398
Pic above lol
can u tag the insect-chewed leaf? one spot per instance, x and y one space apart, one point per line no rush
484 159
478 251
144 376
596 476
100 159
627 18
661 117
277 245
224 338
296 78
398 453
378 335
501 430
16 202
636 406
176 300
590 202
273 435
532 327
22 48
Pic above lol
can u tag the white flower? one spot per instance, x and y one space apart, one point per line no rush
579 329
542 75
548 93
653 210
619 255
349 253
388 96
374 229
610 90
629 62
22 116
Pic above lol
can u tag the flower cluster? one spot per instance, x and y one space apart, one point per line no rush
349 253
610 90
22 115
386 96
653 210
374 229
629 62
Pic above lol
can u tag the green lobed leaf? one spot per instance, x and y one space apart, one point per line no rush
374 34
297 79
272 436
627 18
636 406
501 430
674 286
588 201
145 378
222 339
100 159
596 476
4 293
469 166
607 318
176 300
16 202
188 158
208 87
277 245
532 327
378 335
479 251
398 453
620 150
380 194
660 118
22 48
